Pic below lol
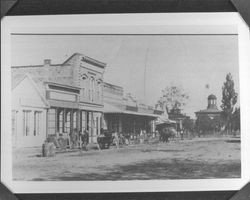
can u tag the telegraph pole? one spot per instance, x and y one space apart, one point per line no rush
145 71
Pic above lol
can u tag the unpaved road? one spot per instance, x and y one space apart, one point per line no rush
188 159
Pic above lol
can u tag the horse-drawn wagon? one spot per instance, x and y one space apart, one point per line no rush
166 129
108 138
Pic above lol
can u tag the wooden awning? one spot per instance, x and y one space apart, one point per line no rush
63 104
108 108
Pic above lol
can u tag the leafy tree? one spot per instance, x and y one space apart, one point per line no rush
236 119
188 124
207 124
229 99
172 97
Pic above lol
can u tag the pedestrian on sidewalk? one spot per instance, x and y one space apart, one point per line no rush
85 140
116 140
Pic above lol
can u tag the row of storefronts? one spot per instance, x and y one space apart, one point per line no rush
59 99
124 114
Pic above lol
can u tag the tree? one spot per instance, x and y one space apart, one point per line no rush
207 124
236 119
188 124
229 99
172 97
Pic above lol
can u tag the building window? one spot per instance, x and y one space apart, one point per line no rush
83 120
83 84
13 120
60 119
74 120
37 122
51 121
26 122
67 121
14 125
99 90
92 89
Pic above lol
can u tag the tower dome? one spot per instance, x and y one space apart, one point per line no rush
211 96
211 102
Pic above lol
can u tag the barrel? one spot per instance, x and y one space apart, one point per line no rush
48 149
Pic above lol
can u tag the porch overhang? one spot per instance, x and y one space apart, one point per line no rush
164 120
91 107
63 104
110 109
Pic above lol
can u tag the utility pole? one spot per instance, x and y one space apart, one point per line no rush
145 71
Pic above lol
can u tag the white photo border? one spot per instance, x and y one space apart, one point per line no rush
174 23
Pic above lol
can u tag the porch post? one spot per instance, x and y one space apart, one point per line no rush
120 123
134 125
71 121
46 121
78 120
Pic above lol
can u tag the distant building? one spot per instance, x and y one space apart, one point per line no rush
212 110
176 115
209 119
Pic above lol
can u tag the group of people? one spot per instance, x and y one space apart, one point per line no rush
79 139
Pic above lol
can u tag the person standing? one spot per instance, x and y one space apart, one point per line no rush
85 139
116 139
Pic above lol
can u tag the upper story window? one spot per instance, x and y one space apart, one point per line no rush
92 88
83 84
99 90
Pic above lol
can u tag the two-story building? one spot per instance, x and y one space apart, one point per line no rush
70 96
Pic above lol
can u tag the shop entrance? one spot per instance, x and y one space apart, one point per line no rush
66 120
69 120
91 121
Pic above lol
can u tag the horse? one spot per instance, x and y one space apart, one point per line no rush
104 140
166 133
172 133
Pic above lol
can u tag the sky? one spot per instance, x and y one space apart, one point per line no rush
150 62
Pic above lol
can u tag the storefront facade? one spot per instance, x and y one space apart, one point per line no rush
123 114
75 98
62 121
130 123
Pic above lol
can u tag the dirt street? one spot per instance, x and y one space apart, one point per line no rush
187 159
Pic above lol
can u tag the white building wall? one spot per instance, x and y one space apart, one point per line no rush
26 97
30 140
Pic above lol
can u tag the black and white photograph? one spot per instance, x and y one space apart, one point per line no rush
125 106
